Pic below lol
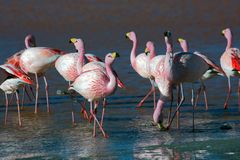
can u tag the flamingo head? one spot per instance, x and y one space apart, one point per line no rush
183 44
110 57
30 41
131 35
78 43
227 33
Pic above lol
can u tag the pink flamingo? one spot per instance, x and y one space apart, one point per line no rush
141 64
178 68
95 84
230 64
16 78
37 60
69 66
14 60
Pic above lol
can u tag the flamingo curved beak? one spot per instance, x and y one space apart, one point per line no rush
73 40
127 35
180 40
115 55
223 31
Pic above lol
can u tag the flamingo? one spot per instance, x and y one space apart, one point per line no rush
141 64
211 72
37 60
67 65
230 64
16 78
95 84
14 60
178 68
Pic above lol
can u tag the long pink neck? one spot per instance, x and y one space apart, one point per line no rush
133 54
81 60
27 43
152 53
112 83
168 59
184 46
229 41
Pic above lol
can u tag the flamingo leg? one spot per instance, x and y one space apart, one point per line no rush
170 110
73 119
204 94
193 107
178 112
103 111
148 94
23 95
97 122
6 112
18 107
46 88
154 93
84 111
228 95
36 97
178 106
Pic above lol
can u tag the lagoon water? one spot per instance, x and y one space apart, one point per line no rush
102 25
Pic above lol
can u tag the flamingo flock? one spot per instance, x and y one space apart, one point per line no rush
95 79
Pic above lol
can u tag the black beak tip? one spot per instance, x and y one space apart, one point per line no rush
70 41
126 36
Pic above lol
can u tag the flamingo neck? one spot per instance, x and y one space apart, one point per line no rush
152 54
184 47
133 54
27 44
81 60
112 79
229 42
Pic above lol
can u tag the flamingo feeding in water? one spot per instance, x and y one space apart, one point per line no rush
141 64
230 63
16 78
37 60
179 68
95 84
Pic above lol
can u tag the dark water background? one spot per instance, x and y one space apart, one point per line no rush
102 25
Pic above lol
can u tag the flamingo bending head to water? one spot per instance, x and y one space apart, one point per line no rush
16 78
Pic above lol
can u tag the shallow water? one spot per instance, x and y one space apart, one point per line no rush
102 25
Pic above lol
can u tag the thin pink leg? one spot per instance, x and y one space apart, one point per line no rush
73 119
179 105
23 95
84 111
18 107
46 88
178 112
103 111
6 112
148 94
228 95
96 121
205 95
36 100
238 95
